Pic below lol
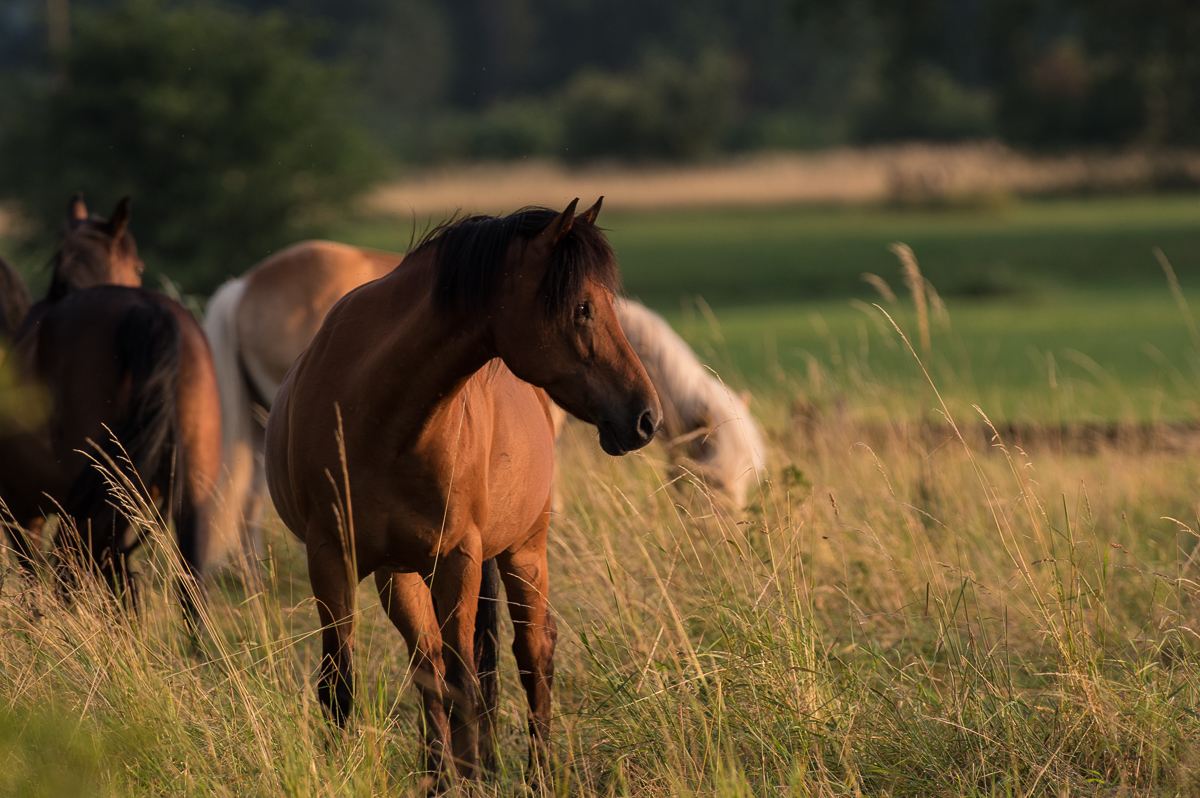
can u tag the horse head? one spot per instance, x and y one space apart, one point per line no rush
95 251
555 327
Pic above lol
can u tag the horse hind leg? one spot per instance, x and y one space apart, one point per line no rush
409 605
192 523
487 624
87 547
334 591
526 583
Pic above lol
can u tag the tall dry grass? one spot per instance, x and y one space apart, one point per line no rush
923 616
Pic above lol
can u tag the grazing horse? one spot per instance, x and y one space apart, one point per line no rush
113 360
708 427
412 440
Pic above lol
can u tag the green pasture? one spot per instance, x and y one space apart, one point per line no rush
1085 355
1057 307
755 255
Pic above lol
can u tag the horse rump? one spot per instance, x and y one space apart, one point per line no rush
133 455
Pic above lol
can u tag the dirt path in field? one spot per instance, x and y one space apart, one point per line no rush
911 173
1087 438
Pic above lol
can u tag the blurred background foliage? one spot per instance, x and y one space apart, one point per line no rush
220 124
252 121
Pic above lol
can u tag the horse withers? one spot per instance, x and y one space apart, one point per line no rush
129 381
412 440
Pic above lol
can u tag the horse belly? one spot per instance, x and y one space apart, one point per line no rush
521 468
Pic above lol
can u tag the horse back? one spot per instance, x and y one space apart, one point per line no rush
286 299
74 347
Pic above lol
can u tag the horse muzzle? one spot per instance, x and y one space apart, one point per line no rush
620 439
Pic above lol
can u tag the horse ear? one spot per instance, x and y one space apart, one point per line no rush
591 213
119 220
77 211
557 230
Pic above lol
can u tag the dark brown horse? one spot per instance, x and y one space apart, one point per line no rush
129 380
412 440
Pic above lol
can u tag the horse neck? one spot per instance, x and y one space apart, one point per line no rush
81 276
59 288
428 357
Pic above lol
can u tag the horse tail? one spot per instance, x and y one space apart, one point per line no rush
147 348
487 653
237 423
14 300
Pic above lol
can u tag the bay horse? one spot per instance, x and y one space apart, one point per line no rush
130 383
412 440
259 323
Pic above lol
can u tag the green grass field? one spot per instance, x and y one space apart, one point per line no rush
1062 287
774 255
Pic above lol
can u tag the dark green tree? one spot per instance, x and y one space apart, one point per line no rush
218 123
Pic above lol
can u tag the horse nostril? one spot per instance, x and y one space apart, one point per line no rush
646 426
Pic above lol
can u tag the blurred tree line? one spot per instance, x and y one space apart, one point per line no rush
241 125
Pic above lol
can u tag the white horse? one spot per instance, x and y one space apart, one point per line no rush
259 323
707 425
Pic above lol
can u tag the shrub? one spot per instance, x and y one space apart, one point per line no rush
665 110
927 104
506 130
218 123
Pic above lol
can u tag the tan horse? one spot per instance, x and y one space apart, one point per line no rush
409 441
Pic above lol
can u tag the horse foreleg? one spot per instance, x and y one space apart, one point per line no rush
526 582
407 601
334 591
456 585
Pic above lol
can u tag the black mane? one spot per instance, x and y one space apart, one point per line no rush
469 259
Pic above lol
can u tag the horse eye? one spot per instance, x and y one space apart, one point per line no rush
583 311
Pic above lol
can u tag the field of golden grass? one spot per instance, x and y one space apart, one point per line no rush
924 615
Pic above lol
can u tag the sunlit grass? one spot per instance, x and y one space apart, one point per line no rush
916 616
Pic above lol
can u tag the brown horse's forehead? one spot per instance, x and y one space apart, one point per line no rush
592 284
